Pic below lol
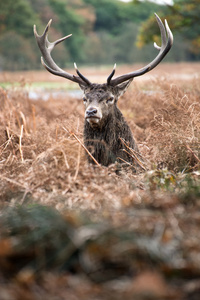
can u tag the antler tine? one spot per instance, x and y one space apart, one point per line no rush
169 34
167 41
111 75
81 75
46 47
162 32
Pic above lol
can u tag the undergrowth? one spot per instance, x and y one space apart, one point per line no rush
42 154
112 224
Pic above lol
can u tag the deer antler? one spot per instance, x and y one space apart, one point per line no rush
46 47
111 75
167 42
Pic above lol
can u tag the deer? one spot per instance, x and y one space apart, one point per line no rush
107 136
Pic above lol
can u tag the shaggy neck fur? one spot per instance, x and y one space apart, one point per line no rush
104 141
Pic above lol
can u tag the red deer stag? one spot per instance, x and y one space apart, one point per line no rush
106 134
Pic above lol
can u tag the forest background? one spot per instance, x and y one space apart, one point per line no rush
69 230
104 31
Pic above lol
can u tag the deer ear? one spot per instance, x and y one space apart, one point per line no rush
122 87
82 87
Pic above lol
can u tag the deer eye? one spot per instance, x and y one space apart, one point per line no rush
110 100
84 99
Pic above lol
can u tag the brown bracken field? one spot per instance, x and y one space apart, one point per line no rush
70 230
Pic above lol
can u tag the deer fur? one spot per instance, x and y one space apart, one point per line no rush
104 139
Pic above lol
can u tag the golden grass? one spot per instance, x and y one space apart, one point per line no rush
152 217
42 158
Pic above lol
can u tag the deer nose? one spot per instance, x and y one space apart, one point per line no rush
91 112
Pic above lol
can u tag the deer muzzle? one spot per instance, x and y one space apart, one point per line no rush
93 115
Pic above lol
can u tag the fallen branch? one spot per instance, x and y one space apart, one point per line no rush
88 152
133 154
195 156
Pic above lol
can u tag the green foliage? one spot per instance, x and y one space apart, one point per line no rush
35 232
16 23
121 48
161 180
103 31
115 32
183 18
17 16
40 238
190 189
184 186
112 16
186 20
69 22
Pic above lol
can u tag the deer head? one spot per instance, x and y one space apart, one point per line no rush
101 99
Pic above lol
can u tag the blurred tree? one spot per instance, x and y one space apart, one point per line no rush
43 10
16 27
104 31
115 31
16 52
111 15
70 22
184 19
17 16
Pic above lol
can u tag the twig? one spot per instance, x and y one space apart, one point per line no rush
88 152
24 197
12 181
78 162
65 159
24 121
57 127
125 161
134 154
20 143
5 145
33 116
195 156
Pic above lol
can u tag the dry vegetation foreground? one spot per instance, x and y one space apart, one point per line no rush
69 230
